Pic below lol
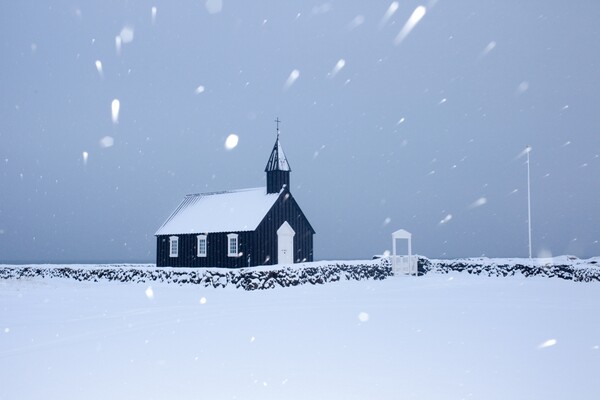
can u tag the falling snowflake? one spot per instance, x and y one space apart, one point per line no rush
388 14
547 343
356 22
413 20
153 14
126 34
478 203
446 219
490 46
232 141
214 6
523 87
338 66
115 108
118 44
363 317
149 292
291 79
99 68
107 141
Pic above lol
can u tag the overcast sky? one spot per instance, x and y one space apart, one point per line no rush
403 114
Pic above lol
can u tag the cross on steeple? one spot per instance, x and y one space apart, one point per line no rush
277 121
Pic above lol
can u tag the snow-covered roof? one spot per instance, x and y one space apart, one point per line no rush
232 211
277 160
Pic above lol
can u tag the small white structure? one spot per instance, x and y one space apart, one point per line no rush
406 264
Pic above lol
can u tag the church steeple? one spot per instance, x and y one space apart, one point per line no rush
277 169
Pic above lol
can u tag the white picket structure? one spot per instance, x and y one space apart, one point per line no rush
406 264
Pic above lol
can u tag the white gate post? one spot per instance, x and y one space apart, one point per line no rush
396 267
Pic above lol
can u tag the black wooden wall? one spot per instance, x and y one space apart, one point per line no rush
276 180
265 238
216 251
258 247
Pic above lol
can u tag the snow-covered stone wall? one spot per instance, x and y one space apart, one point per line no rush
247 278
315 273
564 267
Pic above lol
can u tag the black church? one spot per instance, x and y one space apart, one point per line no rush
238 228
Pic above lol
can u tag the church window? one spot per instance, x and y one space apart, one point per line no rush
173 246
202 246
232 245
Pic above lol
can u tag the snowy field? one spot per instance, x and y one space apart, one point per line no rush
454 336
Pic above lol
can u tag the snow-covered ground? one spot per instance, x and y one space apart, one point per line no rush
438 336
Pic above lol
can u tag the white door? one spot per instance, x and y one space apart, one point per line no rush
285 244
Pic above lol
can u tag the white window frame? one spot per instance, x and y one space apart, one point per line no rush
202 239
233 244
173 246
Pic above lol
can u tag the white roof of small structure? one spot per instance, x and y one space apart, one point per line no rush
231 211
401 234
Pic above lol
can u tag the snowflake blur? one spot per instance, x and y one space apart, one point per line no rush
337 68
490 46
107 141
231 142
446 219
413 20
115 107
153 14
478 203
214 6
291 79
388 14
547 343
99 68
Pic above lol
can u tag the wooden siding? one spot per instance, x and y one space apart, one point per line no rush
276 180
216 251
258 247
265 236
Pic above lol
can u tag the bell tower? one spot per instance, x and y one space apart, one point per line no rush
277 169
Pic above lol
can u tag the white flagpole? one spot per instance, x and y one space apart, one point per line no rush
528 150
